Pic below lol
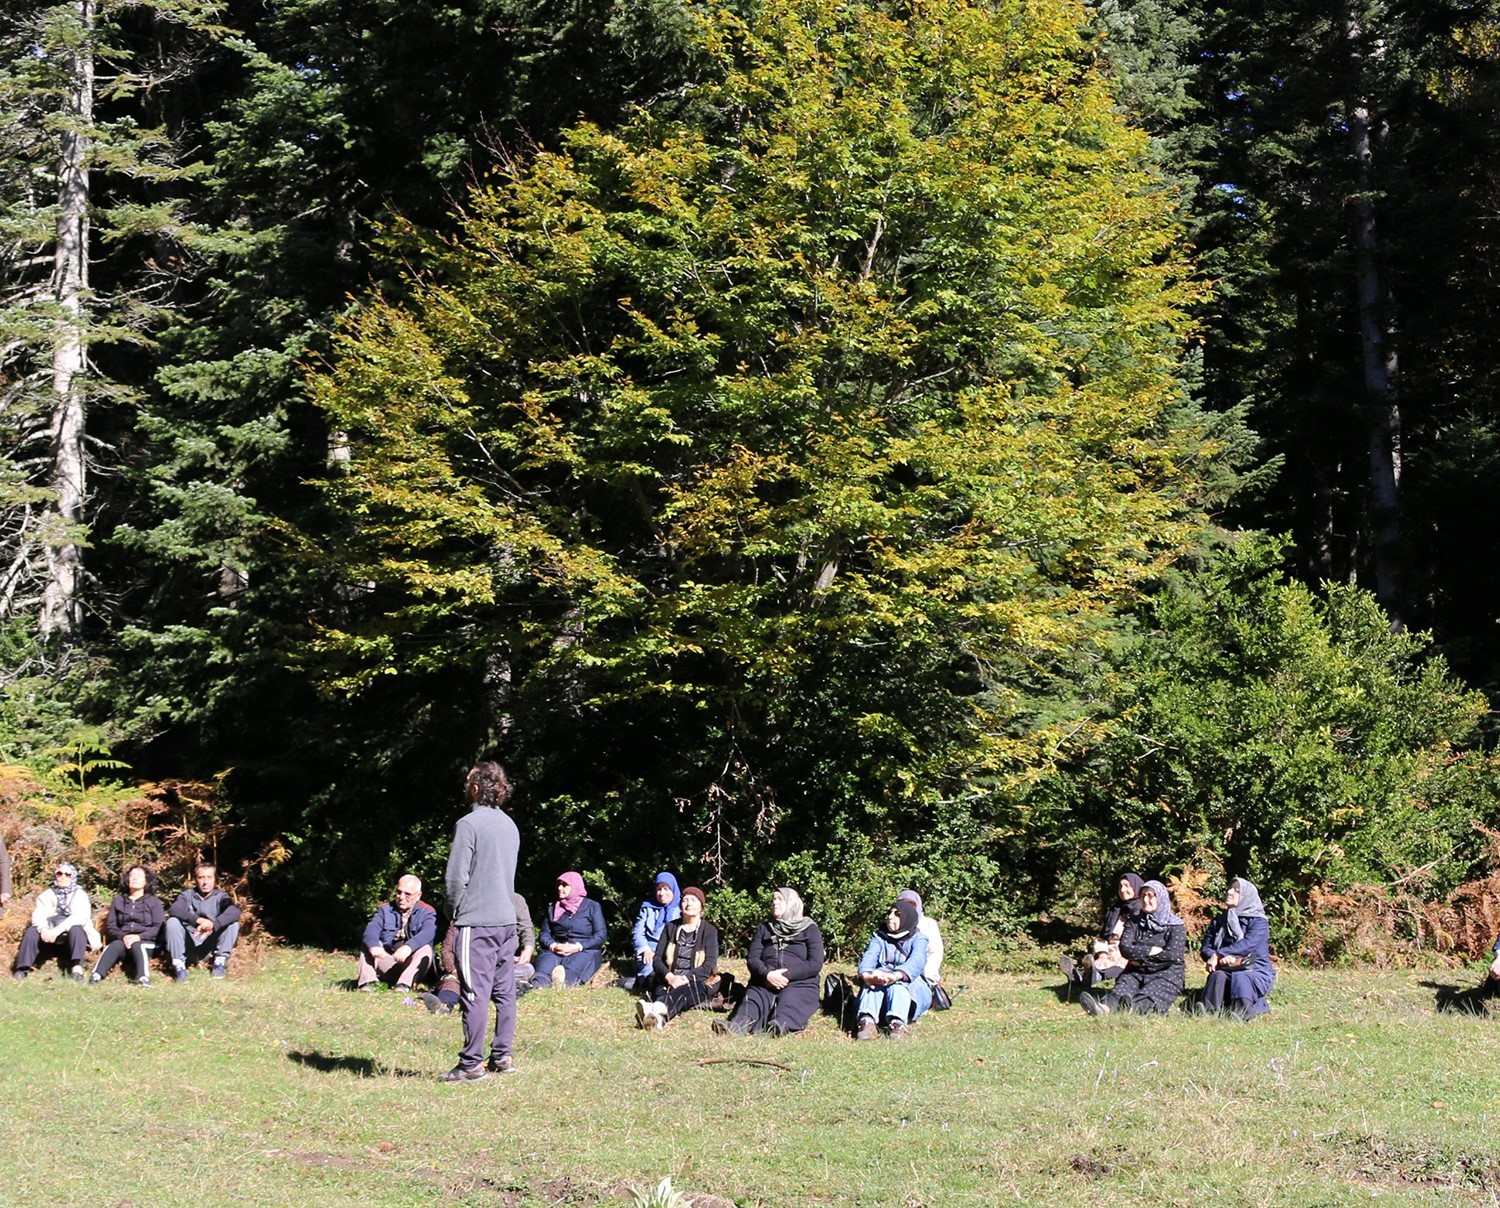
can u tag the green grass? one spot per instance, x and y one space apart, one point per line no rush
285 1088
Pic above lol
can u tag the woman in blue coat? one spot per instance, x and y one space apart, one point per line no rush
572 940
1237 952
662 907
894 992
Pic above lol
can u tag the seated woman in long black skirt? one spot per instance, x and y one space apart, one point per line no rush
1154 945
786 963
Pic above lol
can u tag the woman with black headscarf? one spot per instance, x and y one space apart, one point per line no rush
1237 951
785 960
894 993
1105 961
1154 945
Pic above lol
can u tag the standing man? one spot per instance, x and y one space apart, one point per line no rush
397 944
202 918
480 882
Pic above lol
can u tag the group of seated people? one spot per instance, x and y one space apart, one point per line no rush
1141 946
677 954
202 925
676 958
397 945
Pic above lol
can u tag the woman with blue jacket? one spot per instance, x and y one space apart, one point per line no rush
572 941
1237 952
894 991
664 905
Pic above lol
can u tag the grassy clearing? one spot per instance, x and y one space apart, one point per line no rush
284 1088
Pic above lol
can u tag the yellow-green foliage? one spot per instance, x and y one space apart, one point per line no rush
828 391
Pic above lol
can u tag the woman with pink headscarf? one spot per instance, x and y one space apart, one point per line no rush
572 939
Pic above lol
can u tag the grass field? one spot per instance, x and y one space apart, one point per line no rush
285 1088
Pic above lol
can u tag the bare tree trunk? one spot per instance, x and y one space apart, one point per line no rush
1381 408
61 604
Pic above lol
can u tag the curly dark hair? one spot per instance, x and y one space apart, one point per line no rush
151 879
488 784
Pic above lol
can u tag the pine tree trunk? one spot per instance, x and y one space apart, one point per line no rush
61 603
1378 353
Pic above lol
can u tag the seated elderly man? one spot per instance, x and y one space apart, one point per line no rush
397 944
203 921
62 923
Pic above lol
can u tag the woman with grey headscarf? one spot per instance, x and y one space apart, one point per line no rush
1154 945
1237 953
786 964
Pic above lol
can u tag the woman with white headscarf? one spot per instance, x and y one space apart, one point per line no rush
927 925
786 962
1154 945
1237 952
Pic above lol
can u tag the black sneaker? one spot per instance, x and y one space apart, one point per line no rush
179 973
20 975
501 1065
1092 1005
77 974
459 1074
1068 969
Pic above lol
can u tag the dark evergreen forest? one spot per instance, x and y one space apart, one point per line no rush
975 444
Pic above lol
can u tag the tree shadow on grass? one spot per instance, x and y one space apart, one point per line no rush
360 1067
1462 1000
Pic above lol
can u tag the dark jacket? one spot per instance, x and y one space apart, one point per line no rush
705 959
584 926
1151 982
217 908
1136 944
1255 947
142 917
801 956
381 930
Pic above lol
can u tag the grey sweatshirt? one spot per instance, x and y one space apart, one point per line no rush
481 872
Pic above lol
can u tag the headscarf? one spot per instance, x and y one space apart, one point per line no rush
692 891
670 910
912 896
1249 908
908 916
64 896
1117 911
574 897
1162 917
792 921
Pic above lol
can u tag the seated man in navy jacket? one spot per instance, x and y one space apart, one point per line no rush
397 944
202 920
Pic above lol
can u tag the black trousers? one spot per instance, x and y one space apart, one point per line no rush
72 944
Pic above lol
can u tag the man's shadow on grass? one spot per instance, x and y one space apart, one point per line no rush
1462 1000
360 1067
